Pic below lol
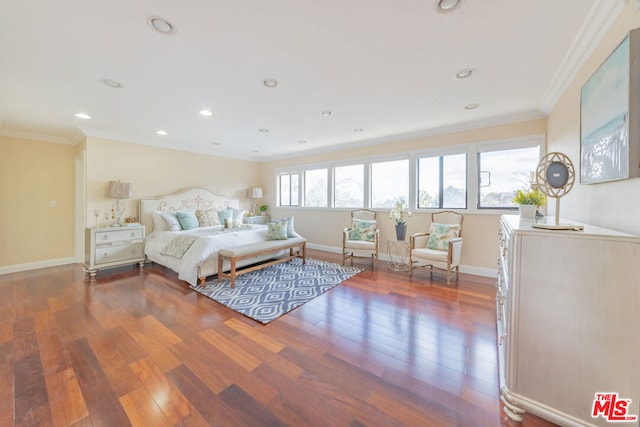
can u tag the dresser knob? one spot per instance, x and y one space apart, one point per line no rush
105 237
133 234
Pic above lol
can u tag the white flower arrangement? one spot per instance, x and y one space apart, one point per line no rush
398 214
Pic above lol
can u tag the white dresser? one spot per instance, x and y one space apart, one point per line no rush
568 321
112 247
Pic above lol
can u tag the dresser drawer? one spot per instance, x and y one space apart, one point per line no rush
118 253
118 235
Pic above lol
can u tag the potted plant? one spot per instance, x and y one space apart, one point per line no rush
263 209
397 214
529 201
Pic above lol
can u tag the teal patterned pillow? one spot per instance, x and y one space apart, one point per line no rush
277 230
363 229
188 220
440 234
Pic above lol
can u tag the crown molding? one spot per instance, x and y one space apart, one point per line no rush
599 21
15 133
97 133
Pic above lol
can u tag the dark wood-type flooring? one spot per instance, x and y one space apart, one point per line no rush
141 348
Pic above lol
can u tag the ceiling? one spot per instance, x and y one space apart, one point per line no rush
384 69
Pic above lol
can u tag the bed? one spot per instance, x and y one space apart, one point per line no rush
193 254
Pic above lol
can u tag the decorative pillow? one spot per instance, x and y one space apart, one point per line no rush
277 231
172 221
237 214
208 217
440 234
224 214
188 220
291 232
363 229
159 224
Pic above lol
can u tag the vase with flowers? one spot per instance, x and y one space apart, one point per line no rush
399 216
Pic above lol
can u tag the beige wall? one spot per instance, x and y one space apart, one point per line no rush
156 171
32 174
614 204
322 227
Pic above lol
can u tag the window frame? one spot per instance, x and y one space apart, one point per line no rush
472 151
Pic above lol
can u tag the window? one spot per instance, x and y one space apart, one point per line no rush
288 189
502 172
348 186
389 183
315 188
442 182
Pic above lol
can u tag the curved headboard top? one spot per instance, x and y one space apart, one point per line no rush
189 199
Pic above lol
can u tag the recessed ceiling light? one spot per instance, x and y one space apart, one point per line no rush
437 102
302 141
263 130
465 72
161 25
111 83
358 130
271 83
326 113
162 132
217 144
82 116
206 112
471 106
447 5
254 151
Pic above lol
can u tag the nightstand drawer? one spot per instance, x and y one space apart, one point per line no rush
118 235
118 253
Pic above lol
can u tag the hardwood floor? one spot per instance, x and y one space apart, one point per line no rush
141 348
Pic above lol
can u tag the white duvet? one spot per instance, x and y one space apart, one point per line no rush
209 241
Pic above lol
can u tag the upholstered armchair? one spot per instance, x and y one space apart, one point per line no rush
441 247
361 239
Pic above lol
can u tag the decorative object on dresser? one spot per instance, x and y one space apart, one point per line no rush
113 247
267 294
118 190
567 319
529 201
610 116
361 239
263 209
555 176
441 247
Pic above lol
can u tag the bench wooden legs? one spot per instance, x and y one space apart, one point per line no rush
233 260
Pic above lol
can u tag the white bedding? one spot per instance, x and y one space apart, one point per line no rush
209 240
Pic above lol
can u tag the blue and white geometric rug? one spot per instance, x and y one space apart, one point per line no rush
266 294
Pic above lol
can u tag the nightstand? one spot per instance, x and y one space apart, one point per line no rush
112 247
256 219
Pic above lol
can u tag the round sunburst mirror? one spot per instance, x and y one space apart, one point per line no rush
555 176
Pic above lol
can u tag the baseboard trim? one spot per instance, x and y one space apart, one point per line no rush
467 269
36 265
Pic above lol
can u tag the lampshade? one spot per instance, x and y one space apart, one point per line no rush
118 190
256 192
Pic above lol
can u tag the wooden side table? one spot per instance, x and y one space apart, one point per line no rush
398 252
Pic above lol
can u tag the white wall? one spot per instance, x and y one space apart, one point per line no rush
615 204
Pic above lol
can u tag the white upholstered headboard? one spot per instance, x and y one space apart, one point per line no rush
185 200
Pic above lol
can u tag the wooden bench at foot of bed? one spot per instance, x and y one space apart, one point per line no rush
239 253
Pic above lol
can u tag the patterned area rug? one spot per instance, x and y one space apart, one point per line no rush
264 295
